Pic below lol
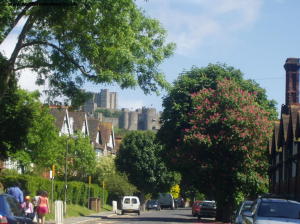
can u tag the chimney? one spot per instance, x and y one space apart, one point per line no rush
292 66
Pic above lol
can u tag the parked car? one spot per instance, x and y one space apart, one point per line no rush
179 203
208 209
130 204
153 204
166 200
272 210
11 211
196 208
244 206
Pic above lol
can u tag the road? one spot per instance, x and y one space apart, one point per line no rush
182 215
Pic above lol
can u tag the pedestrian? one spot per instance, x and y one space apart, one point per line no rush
16 192
28 207
43 207
36 200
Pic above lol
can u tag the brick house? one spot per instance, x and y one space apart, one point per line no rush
284 145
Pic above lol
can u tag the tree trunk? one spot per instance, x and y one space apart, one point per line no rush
224 211
6 76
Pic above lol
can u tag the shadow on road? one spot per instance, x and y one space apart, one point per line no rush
162 219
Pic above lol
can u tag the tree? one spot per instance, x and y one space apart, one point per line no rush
117 184
227 139
72 41
139 157
80 156
179 106
178 103
18 109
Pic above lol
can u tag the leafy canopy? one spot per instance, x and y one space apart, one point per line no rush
139 157
69 42
214 128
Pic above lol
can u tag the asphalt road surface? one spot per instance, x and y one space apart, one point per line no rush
167 216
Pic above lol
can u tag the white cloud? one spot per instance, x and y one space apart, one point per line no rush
191 23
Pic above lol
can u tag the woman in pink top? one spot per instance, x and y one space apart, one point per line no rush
43 207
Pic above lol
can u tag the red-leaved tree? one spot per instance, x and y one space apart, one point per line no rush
227 137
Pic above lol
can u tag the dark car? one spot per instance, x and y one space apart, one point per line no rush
11 211
153 204
244 206
179 203
208 209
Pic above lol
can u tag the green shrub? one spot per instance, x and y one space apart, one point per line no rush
77 192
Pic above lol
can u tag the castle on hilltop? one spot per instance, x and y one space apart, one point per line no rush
140 119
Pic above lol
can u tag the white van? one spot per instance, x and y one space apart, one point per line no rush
130 204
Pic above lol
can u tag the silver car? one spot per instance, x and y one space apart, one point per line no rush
244 206
272 211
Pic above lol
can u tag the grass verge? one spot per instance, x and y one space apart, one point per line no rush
77 210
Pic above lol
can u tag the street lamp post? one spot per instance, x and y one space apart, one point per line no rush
66 171
66 177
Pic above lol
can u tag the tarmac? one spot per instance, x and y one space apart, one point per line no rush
83 219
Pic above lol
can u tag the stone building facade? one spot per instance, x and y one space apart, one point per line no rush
104 99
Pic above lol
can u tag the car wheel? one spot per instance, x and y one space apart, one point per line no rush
139 213
122 212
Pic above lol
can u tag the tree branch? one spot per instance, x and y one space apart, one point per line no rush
31 66
15 22
27 26
67 56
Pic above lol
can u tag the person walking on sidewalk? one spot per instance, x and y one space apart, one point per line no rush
16 192
43 207
28 207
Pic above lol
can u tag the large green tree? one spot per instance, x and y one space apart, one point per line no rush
227 140
179 106
72 41
178 103
139 157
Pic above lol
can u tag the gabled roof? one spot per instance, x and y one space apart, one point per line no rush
59 115
93 125
285 125
105 129
276 132
294 109
79 119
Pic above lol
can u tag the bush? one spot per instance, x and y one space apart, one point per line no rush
77 192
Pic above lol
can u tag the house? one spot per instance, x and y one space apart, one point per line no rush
102 137
79 122
62 121
284 145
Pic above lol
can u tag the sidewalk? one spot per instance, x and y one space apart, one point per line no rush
83 219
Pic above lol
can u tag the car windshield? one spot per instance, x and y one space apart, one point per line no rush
279 209
247 206
208 204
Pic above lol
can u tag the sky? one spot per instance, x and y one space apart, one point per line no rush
255 36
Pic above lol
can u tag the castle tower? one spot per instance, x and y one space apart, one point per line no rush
133 120
124 119
292 66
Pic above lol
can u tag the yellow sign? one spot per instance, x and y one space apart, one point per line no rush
90 179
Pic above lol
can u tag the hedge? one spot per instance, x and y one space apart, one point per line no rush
77 192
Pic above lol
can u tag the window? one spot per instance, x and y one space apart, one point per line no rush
134 201
127 201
